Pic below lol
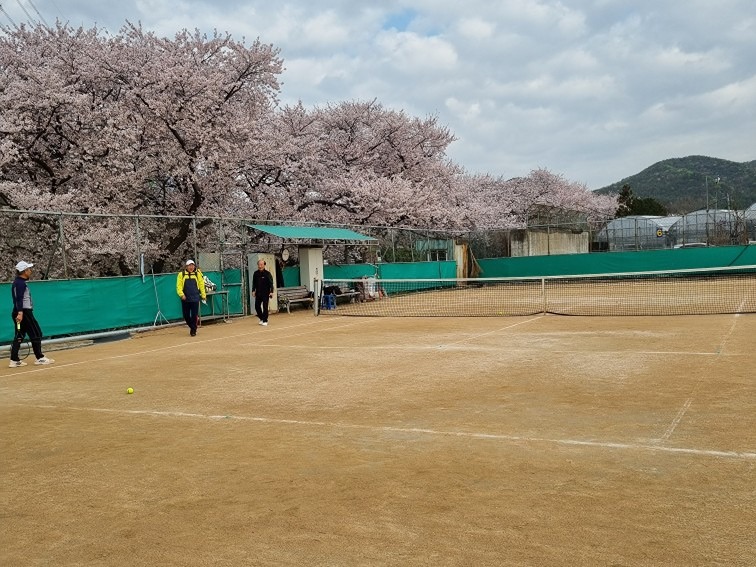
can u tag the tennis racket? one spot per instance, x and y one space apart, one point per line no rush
23 351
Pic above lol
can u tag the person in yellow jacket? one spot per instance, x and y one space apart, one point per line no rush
190 286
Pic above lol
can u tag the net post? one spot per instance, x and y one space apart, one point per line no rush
543 295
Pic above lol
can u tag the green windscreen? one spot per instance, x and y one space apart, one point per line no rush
70 307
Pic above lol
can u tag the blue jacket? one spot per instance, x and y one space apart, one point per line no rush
21 295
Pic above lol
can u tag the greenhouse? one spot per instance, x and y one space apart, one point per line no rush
639 232
713 227
750 222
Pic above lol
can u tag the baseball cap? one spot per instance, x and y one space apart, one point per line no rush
189 262
23 266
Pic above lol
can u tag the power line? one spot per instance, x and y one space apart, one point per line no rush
28 15
40 15
57 10
7 16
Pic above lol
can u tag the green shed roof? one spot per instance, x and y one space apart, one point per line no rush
314 234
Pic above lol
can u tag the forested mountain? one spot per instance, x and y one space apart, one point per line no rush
682 184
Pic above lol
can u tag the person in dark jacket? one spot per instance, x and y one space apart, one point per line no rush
23 318
190 287
262 291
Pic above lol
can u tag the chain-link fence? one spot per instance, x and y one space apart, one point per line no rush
78 245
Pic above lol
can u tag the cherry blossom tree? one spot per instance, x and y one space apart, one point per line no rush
352 163
499 203
129 124
190 128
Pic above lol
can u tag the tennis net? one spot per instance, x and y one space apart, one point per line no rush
675 292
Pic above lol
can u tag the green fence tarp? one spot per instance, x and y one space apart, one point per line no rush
618 262
393 271
401 270
70 307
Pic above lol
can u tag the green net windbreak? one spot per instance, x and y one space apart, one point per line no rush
677 292
75 307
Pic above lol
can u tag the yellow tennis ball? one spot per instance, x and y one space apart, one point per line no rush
129 390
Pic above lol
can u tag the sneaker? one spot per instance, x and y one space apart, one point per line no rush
192 333
16 364
261 322
264 323
44 360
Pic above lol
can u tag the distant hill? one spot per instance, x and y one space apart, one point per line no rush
680 184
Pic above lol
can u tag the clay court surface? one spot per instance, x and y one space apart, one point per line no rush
540 440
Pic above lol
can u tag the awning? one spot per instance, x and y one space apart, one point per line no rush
315 234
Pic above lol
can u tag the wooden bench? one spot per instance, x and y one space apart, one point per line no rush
293 295
343 292
351 294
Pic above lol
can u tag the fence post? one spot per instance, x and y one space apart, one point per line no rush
63 245
194 237
138 246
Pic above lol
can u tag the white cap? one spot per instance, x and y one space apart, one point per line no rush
189 262
23 266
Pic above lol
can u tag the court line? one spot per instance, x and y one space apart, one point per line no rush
484 348
684 409
473 337
729 333
676 421
192 341
736 455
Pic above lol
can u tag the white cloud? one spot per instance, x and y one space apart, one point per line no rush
410 52
674 58
464 111
476 28
594 89
325 29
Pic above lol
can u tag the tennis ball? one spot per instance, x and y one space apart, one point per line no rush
129 390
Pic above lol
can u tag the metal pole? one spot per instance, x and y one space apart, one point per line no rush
543 294
194 237
706 180
63 246
138 248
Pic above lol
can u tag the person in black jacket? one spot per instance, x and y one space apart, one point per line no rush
262 291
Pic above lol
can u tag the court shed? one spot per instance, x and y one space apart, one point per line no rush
315 235
310 242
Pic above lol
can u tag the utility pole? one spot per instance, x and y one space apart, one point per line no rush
716 204
706 221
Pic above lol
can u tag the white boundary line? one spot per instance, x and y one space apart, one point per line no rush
684 409
676 421
193 341
475 337
736 455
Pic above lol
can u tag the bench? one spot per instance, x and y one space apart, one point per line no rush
336 292
293 295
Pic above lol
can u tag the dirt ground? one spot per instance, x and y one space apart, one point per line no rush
544 440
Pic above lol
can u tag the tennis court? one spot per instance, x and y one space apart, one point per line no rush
522 440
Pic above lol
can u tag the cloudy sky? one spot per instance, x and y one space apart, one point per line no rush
596 90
